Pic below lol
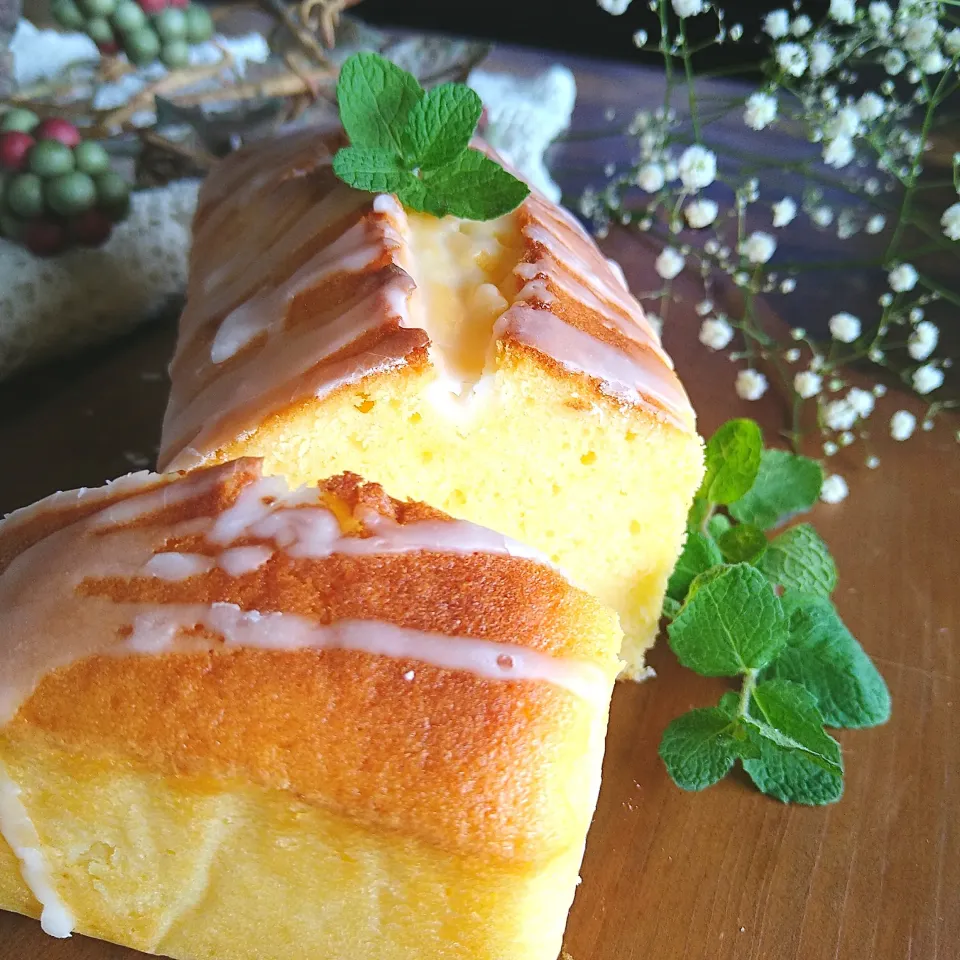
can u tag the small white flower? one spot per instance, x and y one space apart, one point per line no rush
656 322
716 333
760 110
950 221
807 384
951 42
927 425
801 26
687 8
701 213
902 278
788 285
834 489
704 307
838 152
861 400
876 223
927 378
650 177
920 33
871 106
784 211
792 58
894 61
829 448
871 186
843 11
844 327
669 263
792 355
916 314
847 224
844 123
880 13
821 57
822 216
759 247
614 7
933 62
798 333
879 390
751 384
872 462
923 340
640 38
914 75
777 24
839 415
697 167
902 425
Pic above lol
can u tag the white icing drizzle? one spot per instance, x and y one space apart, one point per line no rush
21 836
177 566
241 560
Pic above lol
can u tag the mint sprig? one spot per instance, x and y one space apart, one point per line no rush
742 605
416 144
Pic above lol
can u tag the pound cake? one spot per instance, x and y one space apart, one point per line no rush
239 722
499 370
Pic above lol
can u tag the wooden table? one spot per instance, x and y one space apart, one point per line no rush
673 876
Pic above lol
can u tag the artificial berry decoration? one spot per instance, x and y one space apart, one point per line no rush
55 188
145 30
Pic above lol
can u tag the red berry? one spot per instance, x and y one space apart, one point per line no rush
152 6
55 128
91 228
14 147
44 237
109 49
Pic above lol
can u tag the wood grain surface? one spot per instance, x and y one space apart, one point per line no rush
726 873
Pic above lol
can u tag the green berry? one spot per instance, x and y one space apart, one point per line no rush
18 119
128 16
99 31
142 46
50 158
70 194
10 226
24 195
171 24
113 194
97 8
199 24
175 54
91 158
67 14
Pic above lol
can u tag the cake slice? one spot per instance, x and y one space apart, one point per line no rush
500 370
238 722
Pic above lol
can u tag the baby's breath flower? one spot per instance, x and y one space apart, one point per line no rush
801 26
784 211
920 33
871 106
760 110
843 11
902 425
880 13
614 7
669 263
872 462
704 307
876 223
759 247
839 415
861 400
847 224
777 24
650 177
923 340
916 314
701 213
834 489
788 285
894 61
950 221
846 438
821 57
798 333
716 333
902 278
829 448
822 216
838 152
640 38
792 355
697 167
688 8
807 384
844 327
751 384
933 61
792 58
927 378
927 425
951 42
879 390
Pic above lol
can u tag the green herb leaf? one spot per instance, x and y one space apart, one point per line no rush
371 168
375 98
473 187
670 608
743 543
440 126
823 656
700 747
799 761
733 459
786 485
799 560
718 525
699 553
732 622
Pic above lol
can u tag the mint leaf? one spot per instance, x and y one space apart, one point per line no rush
699 553
744 543
700 747
371 168
375 98
733 459
670 608
799 761
823 656
717 525
732 622
472 187
440 125
799 560
786 485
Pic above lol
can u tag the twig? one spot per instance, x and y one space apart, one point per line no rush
284 85
198 156
303 36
